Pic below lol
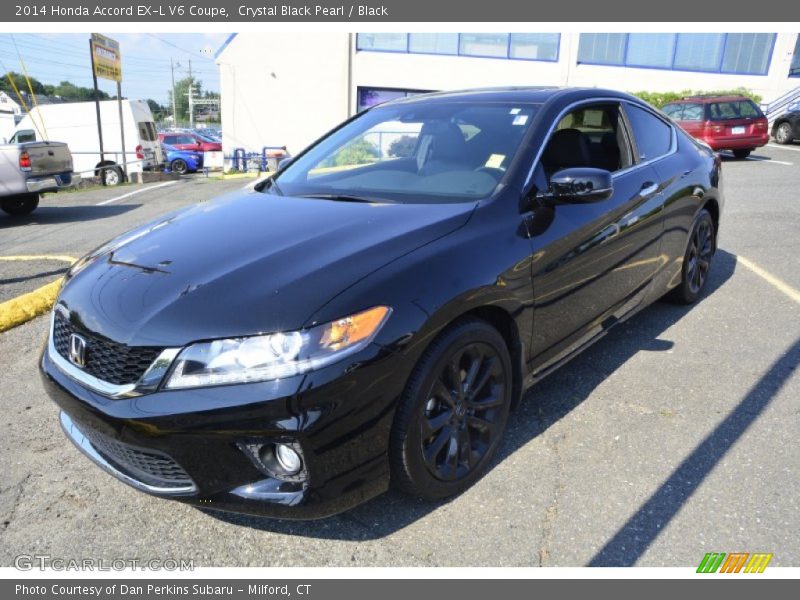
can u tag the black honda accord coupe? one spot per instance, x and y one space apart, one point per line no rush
371 314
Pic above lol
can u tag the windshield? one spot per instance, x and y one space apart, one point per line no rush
413 153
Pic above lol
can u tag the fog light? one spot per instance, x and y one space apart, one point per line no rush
288 458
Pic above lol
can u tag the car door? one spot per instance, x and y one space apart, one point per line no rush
593 262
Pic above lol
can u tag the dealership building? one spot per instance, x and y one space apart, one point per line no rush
289 88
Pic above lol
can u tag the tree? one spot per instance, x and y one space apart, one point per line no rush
22 85
182 96
66 90
403 146
159 111
358 152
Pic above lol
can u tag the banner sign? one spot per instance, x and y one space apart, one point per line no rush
106 58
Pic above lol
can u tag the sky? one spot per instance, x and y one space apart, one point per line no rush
52 58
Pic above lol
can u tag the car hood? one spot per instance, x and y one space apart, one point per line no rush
244 264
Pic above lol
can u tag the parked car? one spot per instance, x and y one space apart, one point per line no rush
364 317
75 123
214 135
189 141
733 123
786 128
29 169
181 161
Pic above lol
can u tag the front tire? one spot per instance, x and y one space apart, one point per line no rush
697 260
783 134
741 153
112 176
18 206
453 412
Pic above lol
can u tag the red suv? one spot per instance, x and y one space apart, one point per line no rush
189 141
723 122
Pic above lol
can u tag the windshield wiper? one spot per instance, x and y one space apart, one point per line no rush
346 198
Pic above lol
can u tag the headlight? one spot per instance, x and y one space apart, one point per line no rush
277 355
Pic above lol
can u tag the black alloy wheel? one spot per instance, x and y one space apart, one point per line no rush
697 260
179 166
453 413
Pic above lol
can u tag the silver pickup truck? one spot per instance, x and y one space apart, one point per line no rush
29 169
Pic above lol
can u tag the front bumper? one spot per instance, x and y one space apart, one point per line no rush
340 417
52 183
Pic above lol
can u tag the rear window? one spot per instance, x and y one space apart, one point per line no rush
653 136
147 131
735 109
684 111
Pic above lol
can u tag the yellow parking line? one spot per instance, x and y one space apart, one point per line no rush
775 282
21 257
27 306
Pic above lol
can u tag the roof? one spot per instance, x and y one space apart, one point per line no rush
708 98
528 95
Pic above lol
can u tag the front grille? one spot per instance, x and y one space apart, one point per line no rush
108 361
151 467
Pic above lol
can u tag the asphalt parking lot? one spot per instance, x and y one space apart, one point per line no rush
674 436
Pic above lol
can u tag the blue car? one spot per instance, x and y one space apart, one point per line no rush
181 161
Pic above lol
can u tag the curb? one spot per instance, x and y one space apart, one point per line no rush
23 308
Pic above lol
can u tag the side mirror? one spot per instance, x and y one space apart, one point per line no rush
579 185
284 162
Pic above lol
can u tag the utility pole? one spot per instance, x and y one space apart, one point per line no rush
174 103
191 96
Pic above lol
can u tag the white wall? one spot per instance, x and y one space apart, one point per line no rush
289 88
282 88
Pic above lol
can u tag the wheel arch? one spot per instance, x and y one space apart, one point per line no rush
505 324
712 206
103 163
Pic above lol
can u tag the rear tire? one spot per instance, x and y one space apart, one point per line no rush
179 166
453 412
18 206
741 153
696 261
783 134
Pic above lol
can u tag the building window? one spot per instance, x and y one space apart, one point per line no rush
514 46
794 69
650 50
534 46
602 48
433 43
698 51
369 96
484 44
386 42
740 53
747 53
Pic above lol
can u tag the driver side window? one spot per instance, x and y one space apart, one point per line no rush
590 136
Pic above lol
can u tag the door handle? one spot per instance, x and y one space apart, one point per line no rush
648 188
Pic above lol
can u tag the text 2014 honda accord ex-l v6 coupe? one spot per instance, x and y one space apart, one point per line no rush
372 313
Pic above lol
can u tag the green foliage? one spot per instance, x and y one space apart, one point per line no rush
659 99
359 152
65 90
403 146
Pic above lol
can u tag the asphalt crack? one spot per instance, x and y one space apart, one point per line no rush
20 488
551 512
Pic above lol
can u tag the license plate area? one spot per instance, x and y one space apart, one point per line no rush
738 130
